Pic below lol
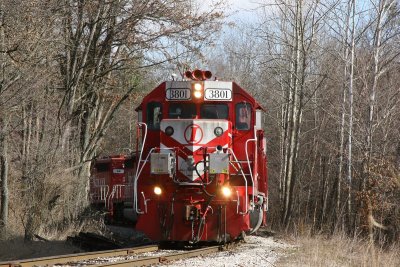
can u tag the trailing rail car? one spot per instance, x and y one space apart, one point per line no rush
201 170
111 187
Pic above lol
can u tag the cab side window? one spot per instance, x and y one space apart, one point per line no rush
154 115
243 116
102 167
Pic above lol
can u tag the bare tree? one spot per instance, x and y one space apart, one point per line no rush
384 14
291 47
7 79
66 69
101 39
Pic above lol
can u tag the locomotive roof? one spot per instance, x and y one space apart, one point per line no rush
160 90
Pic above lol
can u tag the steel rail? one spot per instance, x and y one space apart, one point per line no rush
78 257
74 259
146 261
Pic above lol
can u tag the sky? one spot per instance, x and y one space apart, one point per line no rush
243 4
244 10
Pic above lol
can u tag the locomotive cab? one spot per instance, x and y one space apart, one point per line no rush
201 173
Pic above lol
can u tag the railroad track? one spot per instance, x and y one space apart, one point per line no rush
138 256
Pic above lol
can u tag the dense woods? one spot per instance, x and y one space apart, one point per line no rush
66 68
325 71
326 74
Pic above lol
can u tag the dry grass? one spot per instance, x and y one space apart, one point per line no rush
338 250
15 247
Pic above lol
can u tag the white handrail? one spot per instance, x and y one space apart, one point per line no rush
118 190
245 183
255 157
104 190
138 172
110 197
135 200
237 201
145 202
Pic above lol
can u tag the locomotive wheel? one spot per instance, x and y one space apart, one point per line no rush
256 218
242 236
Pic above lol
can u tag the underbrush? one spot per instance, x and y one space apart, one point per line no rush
88 221
50 239
338 250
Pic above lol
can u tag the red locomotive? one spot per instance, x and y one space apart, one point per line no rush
111 187
201 170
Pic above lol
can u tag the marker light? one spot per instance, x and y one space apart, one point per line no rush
218 131
197 94
226 191
169 131
157 190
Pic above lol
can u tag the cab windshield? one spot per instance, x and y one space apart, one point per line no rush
182 111
214 111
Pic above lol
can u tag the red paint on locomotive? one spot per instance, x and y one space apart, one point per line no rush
111 186
202 169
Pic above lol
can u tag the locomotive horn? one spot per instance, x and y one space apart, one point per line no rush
189 74
207 74
198 75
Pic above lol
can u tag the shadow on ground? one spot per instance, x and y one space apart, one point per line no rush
18 249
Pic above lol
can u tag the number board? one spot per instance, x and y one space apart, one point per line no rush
217 94
178 94
213 91
218 91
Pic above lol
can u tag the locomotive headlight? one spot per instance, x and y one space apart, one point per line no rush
197 94
197 86
197 89
157 190
226 191
169 131
218 131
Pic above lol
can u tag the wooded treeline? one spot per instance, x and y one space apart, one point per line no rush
66 67
325 71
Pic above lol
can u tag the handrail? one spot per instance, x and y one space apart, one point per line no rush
104 190
138 172
245 183
237 201
145 202
118 190
115 194
135 200
110 197
255 157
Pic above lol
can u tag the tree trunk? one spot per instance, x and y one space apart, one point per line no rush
383 8
293 118
350 218
3 176
3 135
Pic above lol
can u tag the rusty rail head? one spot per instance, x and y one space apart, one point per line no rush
78 257
146 261
129 252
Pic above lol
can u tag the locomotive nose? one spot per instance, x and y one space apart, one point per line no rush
194 138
